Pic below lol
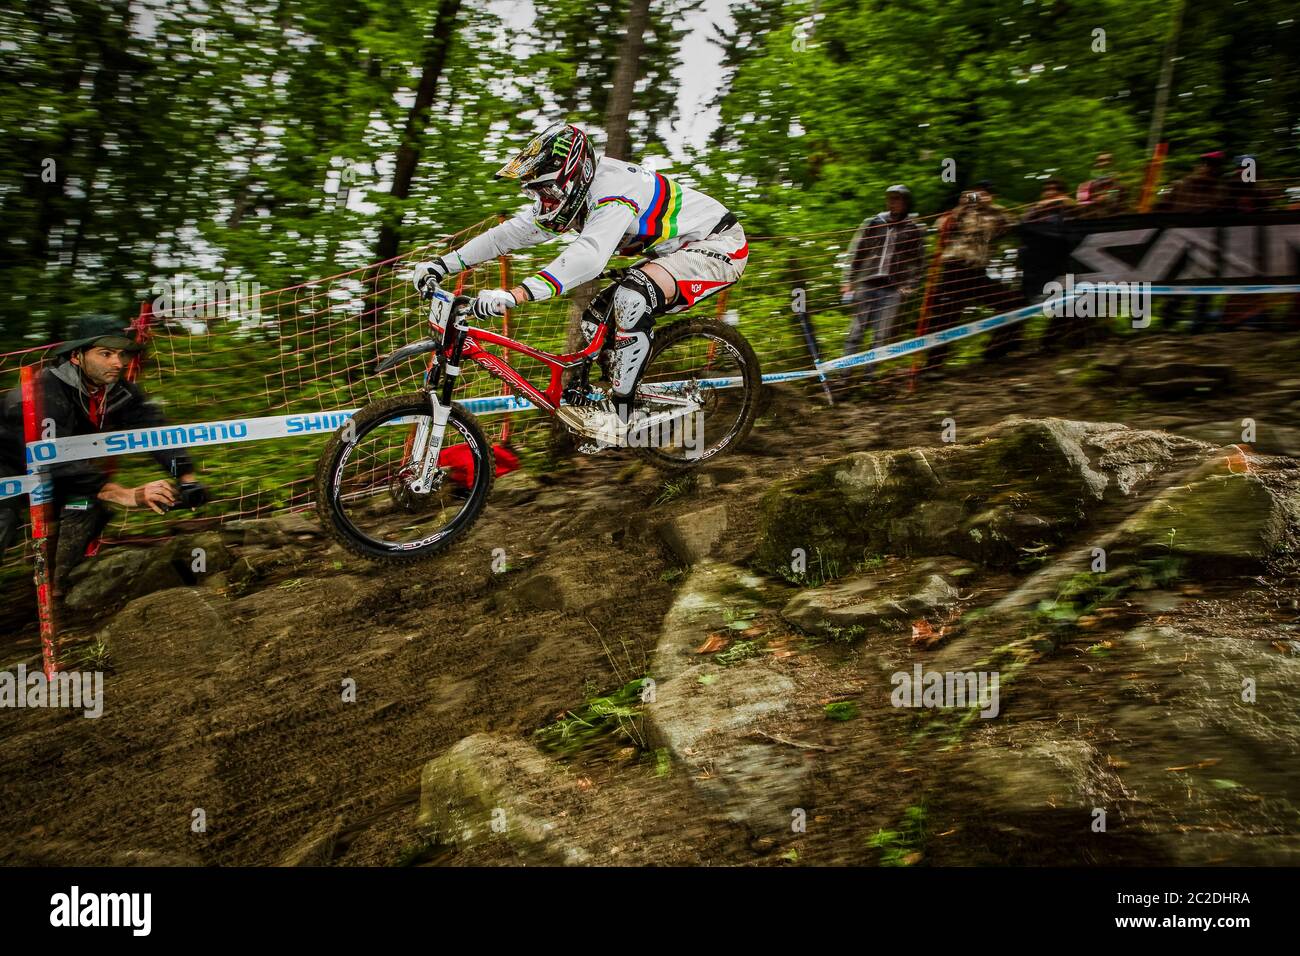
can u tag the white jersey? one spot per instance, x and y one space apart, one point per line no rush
629 210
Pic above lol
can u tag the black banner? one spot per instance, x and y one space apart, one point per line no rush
1167 248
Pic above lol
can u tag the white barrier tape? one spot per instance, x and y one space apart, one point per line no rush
884 353
106 444
23 485
919 344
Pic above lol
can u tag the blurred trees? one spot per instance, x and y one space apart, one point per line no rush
262 139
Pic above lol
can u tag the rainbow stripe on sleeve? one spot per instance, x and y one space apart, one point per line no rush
550 280
622 200
659 221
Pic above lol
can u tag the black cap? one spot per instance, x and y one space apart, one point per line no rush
105 330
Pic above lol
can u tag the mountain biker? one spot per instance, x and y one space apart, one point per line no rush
692 247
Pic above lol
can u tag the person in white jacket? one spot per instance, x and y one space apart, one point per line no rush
693 248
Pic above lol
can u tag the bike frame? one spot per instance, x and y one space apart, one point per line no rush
473 340
458 340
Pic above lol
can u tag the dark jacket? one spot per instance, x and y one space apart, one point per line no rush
66 403
885 252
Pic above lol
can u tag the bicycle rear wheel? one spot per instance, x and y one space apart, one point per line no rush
699 392
368 482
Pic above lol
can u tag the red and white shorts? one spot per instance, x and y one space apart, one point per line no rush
706 266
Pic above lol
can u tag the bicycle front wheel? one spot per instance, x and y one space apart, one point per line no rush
381 497
699 392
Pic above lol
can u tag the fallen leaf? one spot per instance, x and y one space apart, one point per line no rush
925 635
715 642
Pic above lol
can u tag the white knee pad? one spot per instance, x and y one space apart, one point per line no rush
631 349
636 299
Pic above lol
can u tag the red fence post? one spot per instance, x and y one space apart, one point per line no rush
33 414
931 289
1152 179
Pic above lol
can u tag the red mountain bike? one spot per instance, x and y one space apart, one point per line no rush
407 476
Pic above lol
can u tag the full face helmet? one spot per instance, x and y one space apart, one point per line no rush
555 169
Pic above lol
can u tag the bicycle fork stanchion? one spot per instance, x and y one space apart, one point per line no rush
41 496
428 438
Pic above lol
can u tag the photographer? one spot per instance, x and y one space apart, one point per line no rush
84 392
974 227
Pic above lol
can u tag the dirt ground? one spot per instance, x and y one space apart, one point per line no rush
231 704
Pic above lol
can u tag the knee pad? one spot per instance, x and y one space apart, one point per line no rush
636 300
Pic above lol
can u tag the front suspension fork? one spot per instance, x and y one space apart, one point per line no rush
427 443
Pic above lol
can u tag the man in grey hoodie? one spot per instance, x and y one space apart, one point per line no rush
85 392
885 261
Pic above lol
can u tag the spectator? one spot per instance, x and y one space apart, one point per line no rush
1203 190
1102 195
1242 193
83 393
885 260
972 229
1044 256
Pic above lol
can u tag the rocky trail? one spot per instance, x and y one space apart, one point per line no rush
617 668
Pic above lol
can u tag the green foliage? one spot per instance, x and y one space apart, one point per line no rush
674 488
740 651
904 846
615 715
841 710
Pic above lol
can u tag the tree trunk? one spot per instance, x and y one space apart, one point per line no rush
626 72
408 153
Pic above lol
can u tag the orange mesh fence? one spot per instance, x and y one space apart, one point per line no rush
311 348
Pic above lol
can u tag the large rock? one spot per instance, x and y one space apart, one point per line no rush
1209 730
712 596
1224 517
1269 438
255 531
1015 487
487 788
697 534
210 547
707 715
122 574
870 599
178 630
